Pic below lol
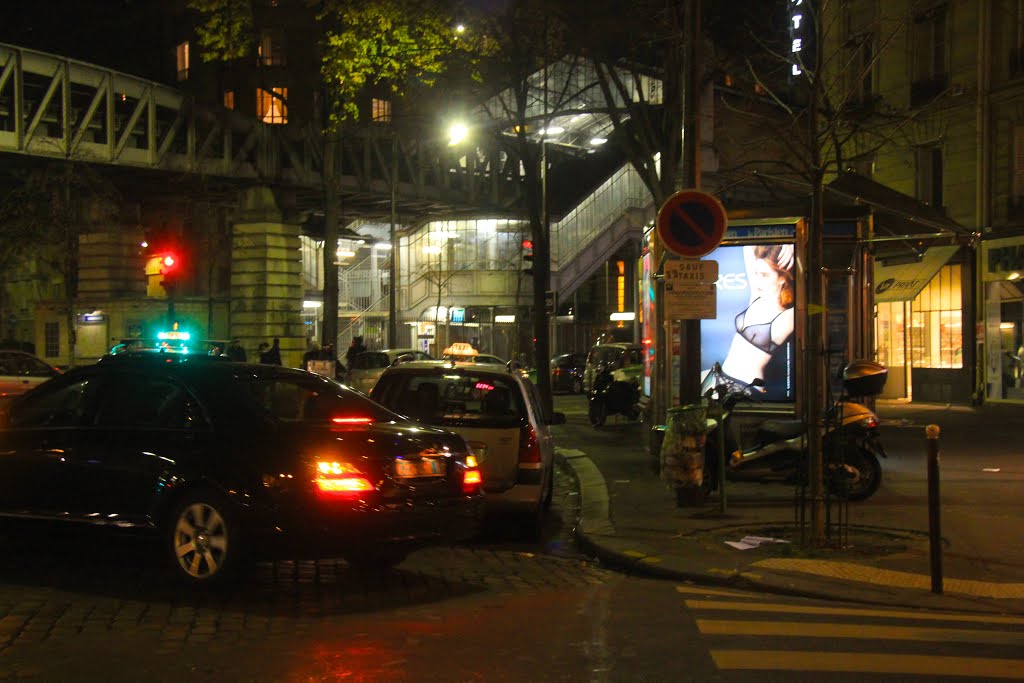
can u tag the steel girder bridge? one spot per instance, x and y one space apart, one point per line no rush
57 108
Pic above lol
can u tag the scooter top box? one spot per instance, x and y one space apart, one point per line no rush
864 378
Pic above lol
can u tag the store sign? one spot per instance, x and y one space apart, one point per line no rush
903 282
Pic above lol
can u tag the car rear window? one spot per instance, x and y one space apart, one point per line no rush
453 397
370 361
288 399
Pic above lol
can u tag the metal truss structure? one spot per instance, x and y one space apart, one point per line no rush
58 108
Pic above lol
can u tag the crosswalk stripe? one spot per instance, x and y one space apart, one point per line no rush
866 662
859 631
722 605
699 590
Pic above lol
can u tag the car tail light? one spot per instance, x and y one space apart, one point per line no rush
869 422
529 448
341 479
351 420
471 481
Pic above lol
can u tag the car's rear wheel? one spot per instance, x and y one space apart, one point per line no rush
203 539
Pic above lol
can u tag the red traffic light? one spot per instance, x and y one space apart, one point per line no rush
169 263
527 244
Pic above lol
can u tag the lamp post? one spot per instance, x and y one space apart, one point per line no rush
393 239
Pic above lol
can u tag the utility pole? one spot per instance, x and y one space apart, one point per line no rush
393 238
689 343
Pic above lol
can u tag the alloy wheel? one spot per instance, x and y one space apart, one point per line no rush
200 541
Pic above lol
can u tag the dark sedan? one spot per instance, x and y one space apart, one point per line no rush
567 372
226 461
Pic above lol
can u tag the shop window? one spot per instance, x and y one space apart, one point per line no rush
181 58
51 340
272 105
271 47
936 322
229 99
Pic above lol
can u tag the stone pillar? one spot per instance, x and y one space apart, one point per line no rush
111 265
266 278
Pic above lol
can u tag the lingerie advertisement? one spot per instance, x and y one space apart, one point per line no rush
753 335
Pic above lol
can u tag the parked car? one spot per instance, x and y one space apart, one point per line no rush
499 414
567 372
20 371
367 367
224 461
624 361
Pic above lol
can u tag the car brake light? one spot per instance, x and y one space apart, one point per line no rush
341 479
471 481
351 420
529 449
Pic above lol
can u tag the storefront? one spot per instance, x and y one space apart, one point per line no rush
920 318
1002 266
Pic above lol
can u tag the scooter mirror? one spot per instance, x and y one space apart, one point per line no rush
758 382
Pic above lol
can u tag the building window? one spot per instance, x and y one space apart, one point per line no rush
271 47
229 99
272 105
862 70
181 58
51 340
936 322
929 176
380 110
1017 167
930 77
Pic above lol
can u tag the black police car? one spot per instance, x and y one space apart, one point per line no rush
226 460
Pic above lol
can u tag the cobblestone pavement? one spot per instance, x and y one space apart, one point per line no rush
93 611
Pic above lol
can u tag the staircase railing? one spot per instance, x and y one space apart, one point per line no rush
622 191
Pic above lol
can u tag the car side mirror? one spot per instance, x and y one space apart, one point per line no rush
557 419
758 382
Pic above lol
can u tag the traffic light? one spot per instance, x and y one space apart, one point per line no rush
170 268
527 257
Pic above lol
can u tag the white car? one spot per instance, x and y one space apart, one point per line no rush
498 412
367 367
20 371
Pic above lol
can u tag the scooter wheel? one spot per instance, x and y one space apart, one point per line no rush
860 475
598 414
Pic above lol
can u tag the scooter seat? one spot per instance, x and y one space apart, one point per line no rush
779 430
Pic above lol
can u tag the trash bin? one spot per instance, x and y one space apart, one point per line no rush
682 452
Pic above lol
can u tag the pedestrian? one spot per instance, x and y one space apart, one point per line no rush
235 351
264 351
273 354
354 350
312 353
327 353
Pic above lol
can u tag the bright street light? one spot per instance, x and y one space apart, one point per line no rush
457 132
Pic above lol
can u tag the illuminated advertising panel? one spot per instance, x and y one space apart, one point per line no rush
753 335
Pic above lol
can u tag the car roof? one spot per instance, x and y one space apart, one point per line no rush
441 365
617 345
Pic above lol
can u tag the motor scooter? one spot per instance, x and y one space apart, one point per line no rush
850 443
612 395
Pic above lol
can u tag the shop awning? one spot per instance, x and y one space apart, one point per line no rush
899 280
896 214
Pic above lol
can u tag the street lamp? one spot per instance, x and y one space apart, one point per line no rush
457 132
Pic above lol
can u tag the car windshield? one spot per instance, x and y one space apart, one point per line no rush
452 397
291 399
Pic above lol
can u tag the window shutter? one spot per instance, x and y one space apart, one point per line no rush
1017 162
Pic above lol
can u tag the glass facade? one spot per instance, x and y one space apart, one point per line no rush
1002 270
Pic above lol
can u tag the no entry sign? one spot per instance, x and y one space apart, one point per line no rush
691 223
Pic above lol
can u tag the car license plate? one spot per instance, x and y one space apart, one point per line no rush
424 467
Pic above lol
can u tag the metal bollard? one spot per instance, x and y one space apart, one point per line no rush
934 522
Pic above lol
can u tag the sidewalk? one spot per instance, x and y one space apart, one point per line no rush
635 525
